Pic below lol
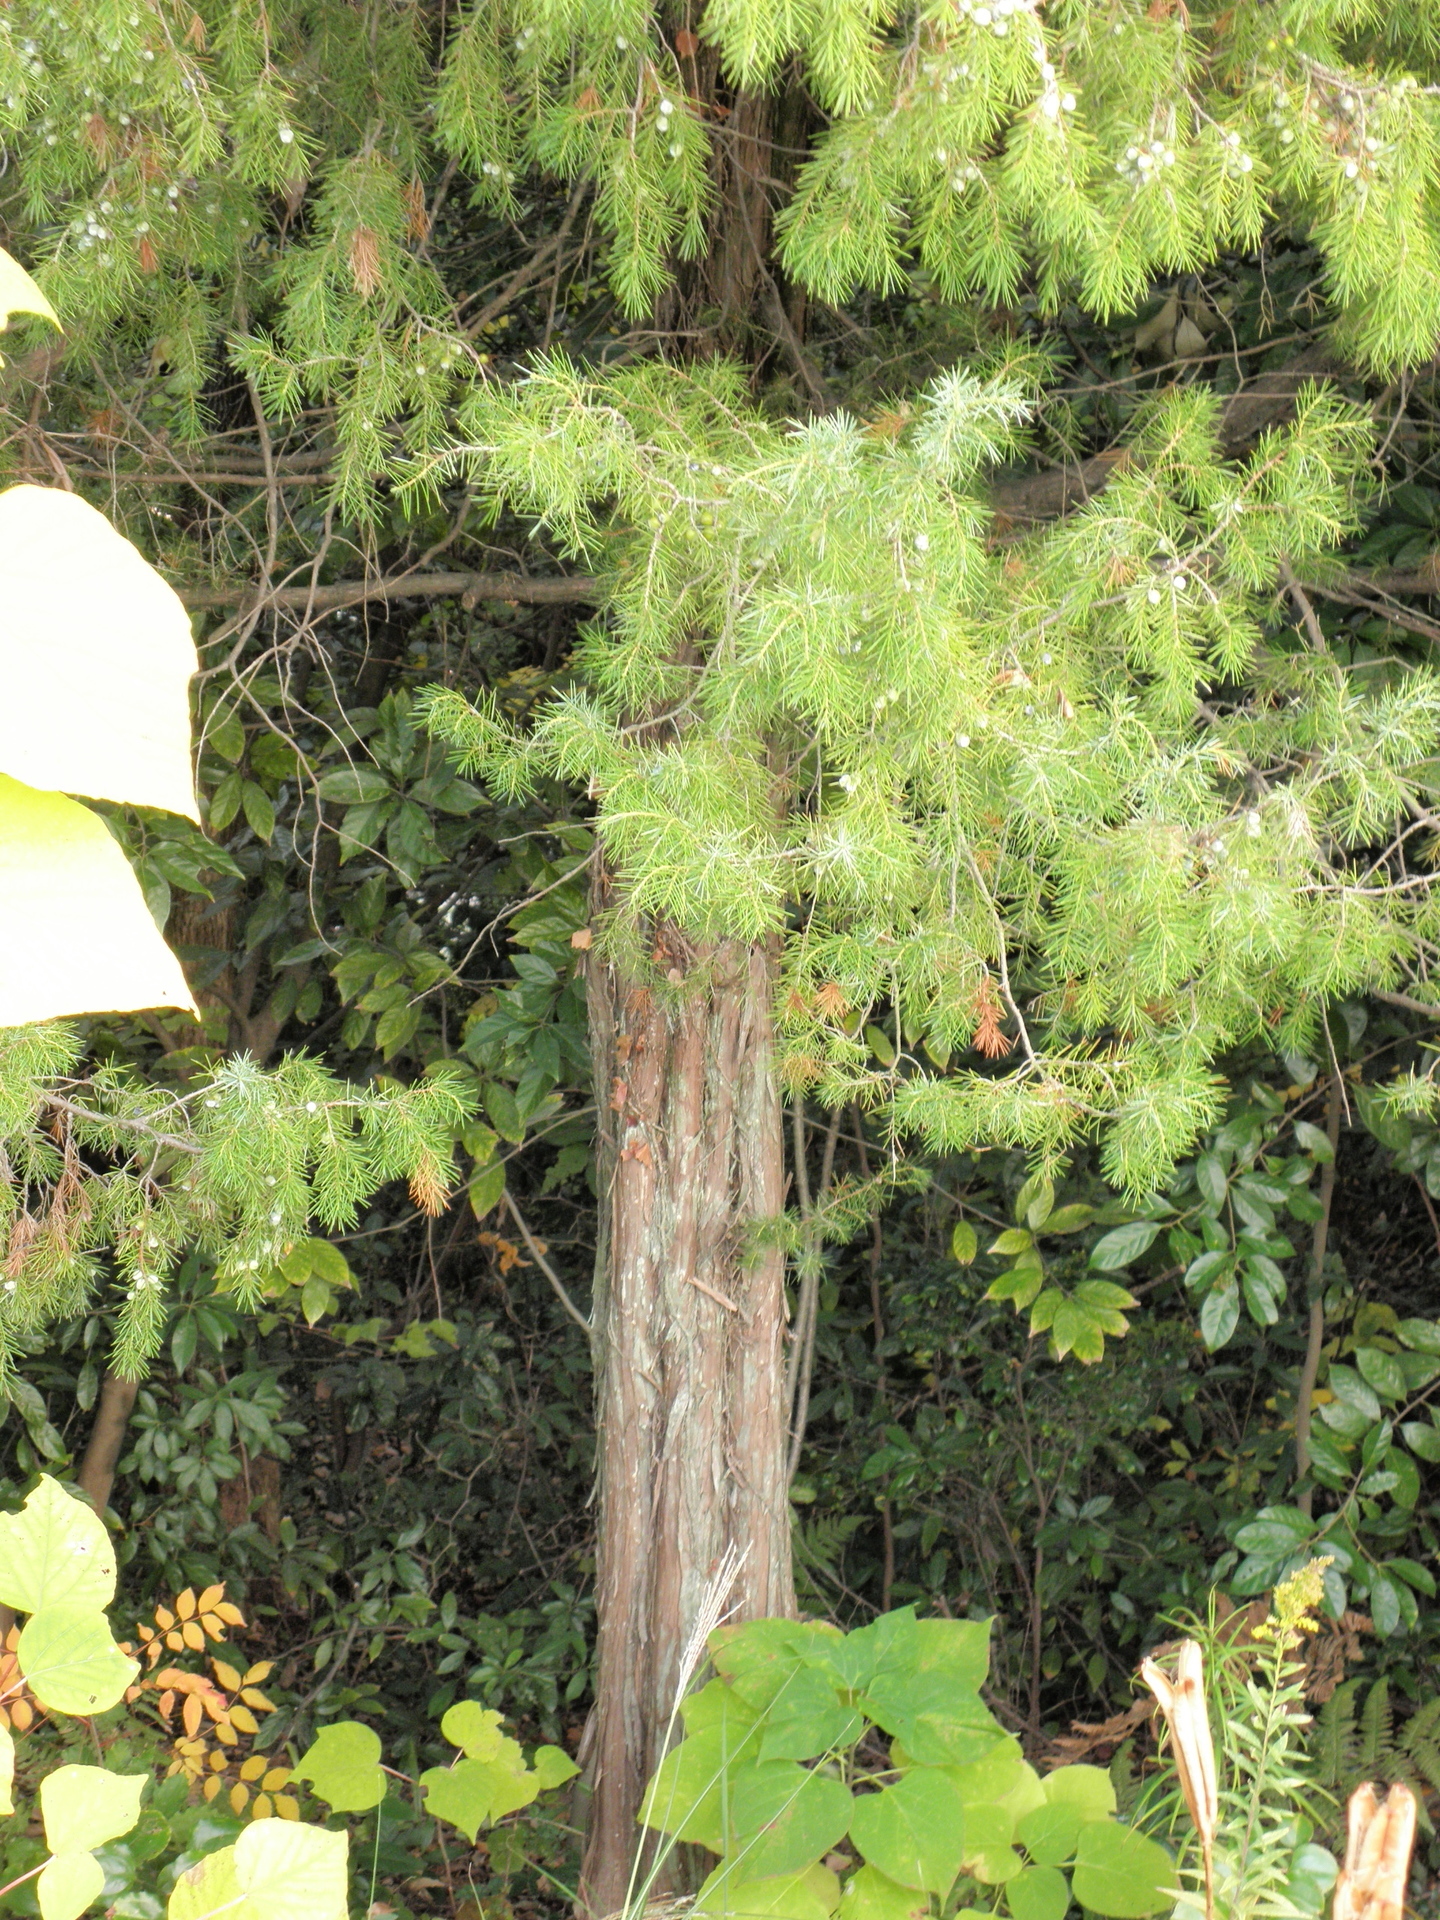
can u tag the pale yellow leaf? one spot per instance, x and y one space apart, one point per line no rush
96 656
19 293
75 935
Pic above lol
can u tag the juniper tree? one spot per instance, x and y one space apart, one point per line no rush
1005 837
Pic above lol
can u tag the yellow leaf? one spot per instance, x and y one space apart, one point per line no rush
164 1616
263 1806
239 1798
254 1675
19 293
226 1675
75 935
227 1734
7 1770
185 1604
212 1786
230 1614
209 1597
253 1697
213 1625
287 1806
252 1768
242 1718
219 1761
96 656
276 1778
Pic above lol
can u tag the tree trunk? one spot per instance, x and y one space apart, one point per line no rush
688 1335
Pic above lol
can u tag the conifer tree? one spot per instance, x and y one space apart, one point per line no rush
1006 837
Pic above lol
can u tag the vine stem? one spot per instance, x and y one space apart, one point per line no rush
1315 1339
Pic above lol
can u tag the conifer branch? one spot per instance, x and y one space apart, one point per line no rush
534 591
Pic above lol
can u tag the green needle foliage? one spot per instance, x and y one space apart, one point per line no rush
1076 801
1081 151
109 1179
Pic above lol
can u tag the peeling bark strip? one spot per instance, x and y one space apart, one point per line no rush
690 1409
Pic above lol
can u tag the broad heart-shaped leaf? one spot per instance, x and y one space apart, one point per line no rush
914 1832
1049 1834
342 1764
476 1730
276 1870
684 1794
19 293
96 656
552 1767
1121 1873
472 1793
86 1806
872 1895
68 1884
1038 1893
7 1771
76 935
717 1704
990 1856
782 1817
990 1779
807 1718
811 1895
1089 1790
70 1661
55 1549
956 1652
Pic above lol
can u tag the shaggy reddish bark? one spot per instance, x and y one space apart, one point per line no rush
689 1324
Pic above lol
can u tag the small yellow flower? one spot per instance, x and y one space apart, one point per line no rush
1294 1605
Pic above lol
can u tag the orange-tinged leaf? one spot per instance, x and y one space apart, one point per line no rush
22 1715
226 1675
252 1768
261 1671
215 1705
253 1697
276 1778
212 1786
242 1718
144 1632
239 1798
165 1617
185 1604
230 1613
213 1625
191 1714
287 1806
193 1634
263 1806
209 1597
175 1643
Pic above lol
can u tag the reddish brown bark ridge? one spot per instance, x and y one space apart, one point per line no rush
688 1335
